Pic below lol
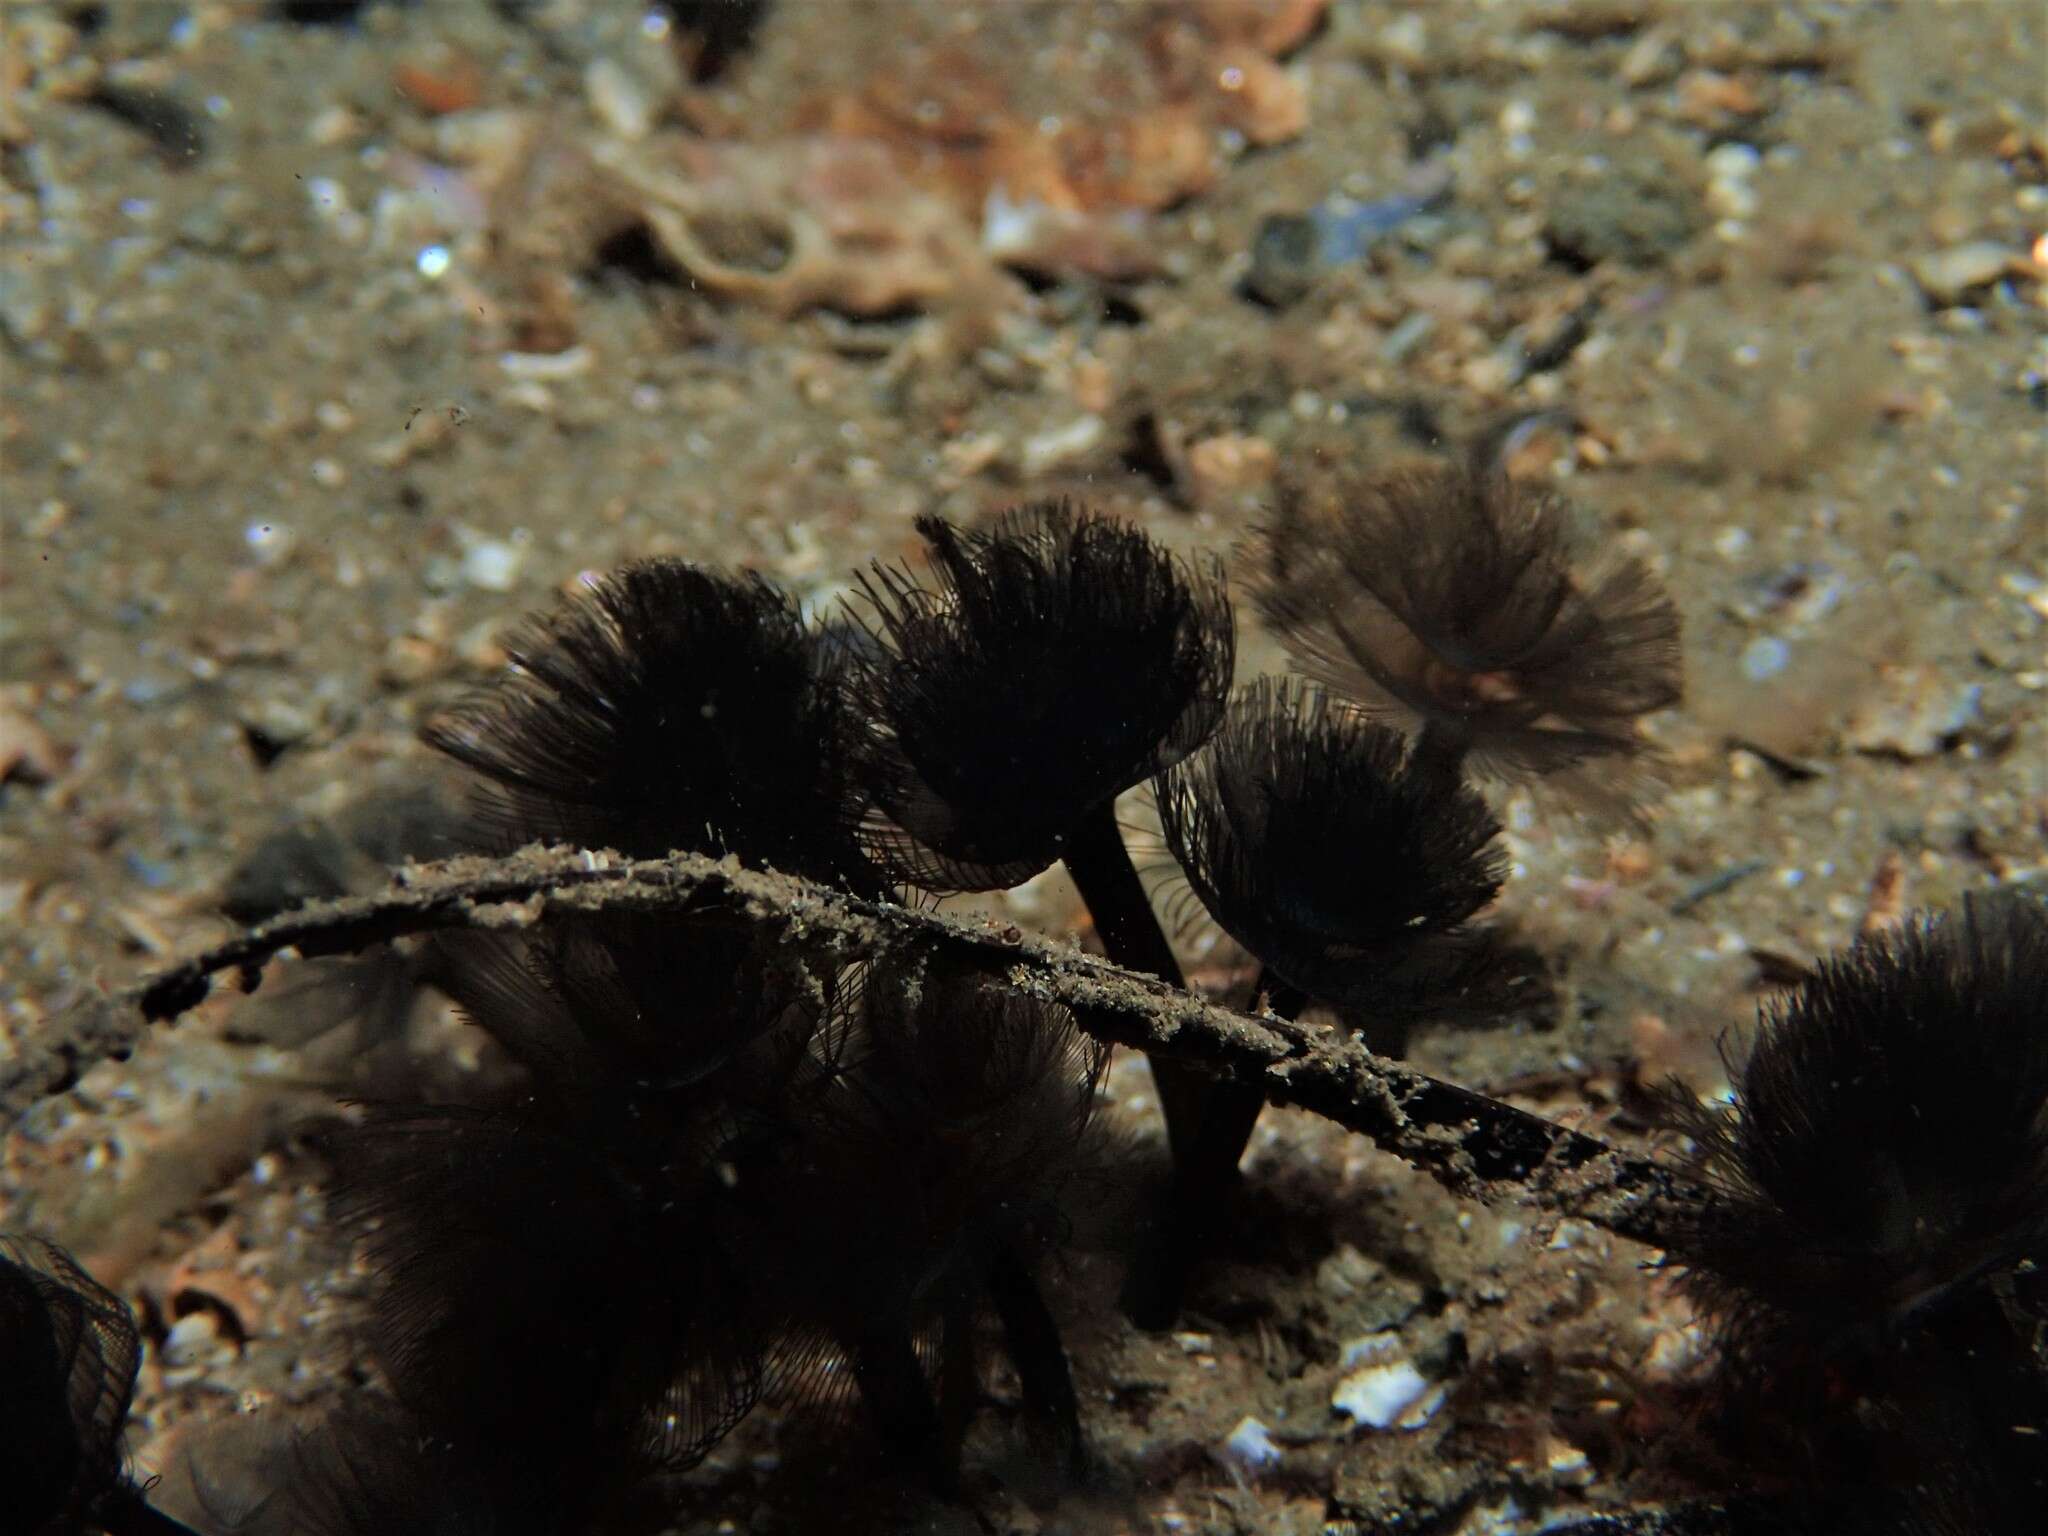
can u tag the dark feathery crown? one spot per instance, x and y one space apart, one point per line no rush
1889 1143
68 1356
597 1220
935 1171
1872 1252
1062 659
667 707
710 1193
1447 598
1319 845
960 1117
364 1470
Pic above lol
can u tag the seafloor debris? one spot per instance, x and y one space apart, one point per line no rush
1071 192
1915 712
39 56
805 221
914 188
1292 249
1948 276
1381 1388
27 751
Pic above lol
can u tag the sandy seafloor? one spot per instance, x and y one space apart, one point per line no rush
334 338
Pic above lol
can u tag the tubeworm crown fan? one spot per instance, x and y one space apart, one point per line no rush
1873 1250
369 996
69 1351
1889 1145
1312 837
958 1119
301 862
598 1222
702 1202
1063 659
368 1470
1349 870
931 1172
1445 599
667 707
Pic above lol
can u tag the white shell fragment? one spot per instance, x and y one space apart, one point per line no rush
1249 1449
491 564
1381 1389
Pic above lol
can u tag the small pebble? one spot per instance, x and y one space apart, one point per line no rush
1372 1296
1631 215
1405 40
1569 1234
1405 337
530 395
1764 658
965 457
1652 59
621 101
279 722
1675 1351
408 659
548 365
1945 276
1230 463
1731 190
1730 543
1284 263
27 753
1060 445
269 543
1917 712
1568 1464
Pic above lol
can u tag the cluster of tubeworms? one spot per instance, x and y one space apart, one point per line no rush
723 1174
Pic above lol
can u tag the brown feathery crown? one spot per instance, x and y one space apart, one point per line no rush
1446 599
